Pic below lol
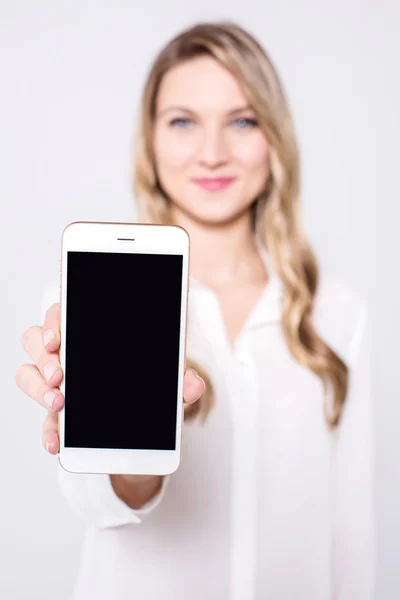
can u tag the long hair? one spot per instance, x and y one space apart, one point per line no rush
276 212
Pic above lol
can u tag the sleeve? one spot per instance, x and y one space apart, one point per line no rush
91 496
354 523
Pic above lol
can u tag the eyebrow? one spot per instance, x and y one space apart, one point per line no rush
192 112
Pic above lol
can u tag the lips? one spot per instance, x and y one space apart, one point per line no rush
213 183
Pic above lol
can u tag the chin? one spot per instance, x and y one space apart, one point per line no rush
215 216
212 208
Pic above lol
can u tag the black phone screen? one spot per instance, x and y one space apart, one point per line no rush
123 315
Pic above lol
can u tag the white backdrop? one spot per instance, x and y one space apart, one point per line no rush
71 73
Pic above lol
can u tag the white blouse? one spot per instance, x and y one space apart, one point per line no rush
267 503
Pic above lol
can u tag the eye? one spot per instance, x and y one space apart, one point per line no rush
181 122
244 123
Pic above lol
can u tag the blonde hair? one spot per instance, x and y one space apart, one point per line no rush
276 212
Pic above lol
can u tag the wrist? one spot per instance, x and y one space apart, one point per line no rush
136 490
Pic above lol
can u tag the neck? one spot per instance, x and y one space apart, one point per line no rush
223 255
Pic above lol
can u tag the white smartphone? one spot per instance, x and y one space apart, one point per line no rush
124 292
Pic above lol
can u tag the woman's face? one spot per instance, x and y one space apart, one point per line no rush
211 157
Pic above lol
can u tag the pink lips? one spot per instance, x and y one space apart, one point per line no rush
213 183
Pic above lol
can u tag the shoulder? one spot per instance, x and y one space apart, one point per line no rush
340 314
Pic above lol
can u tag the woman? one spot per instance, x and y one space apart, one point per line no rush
273 498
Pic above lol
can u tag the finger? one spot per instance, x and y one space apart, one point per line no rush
50 438
193 386
51 328
30 381
47 362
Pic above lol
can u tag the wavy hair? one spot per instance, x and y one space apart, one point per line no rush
276 212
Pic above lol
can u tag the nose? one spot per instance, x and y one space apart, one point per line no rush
213 150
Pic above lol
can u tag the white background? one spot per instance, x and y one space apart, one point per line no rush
71 73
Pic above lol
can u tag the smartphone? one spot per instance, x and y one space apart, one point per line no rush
123 294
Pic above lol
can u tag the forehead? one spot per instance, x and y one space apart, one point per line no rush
200 84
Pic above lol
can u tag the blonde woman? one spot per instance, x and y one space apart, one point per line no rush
273 498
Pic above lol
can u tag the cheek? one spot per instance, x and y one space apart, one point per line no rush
252 152
173 152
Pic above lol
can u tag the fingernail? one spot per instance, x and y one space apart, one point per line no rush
201 379
48 336
49 371
195 373
47 446
49 398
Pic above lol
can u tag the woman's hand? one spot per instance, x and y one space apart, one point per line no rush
41 380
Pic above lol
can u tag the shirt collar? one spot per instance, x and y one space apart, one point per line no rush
268 308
